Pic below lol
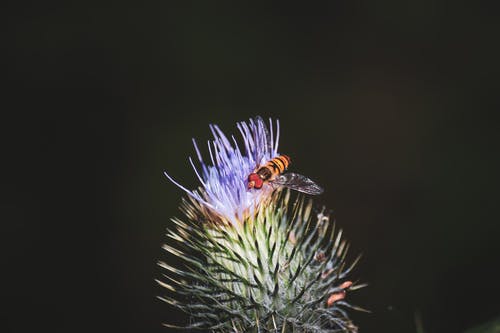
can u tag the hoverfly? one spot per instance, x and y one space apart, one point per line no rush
272 172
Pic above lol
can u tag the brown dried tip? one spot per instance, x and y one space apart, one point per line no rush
320 256
345 285
340 295
335 297
327 273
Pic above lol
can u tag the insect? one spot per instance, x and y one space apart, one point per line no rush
272 172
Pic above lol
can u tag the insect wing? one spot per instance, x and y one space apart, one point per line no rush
298 183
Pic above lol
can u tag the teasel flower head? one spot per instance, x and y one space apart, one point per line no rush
255 260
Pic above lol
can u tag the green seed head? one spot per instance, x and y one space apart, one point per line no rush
282 270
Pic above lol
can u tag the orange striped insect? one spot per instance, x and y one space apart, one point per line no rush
272 172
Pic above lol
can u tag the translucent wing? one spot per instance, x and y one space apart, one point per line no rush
298 182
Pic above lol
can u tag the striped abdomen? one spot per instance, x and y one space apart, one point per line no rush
274 167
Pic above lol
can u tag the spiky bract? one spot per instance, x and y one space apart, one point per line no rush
273 273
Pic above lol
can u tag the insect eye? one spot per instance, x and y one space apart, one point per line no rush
253 177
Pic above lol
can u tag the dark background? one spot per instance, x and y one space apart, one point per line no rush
390 105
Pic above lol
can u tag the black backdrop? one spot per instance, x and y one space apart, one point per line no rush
390 105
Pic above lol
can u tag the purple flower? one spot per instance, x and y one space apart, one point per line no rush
223 190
